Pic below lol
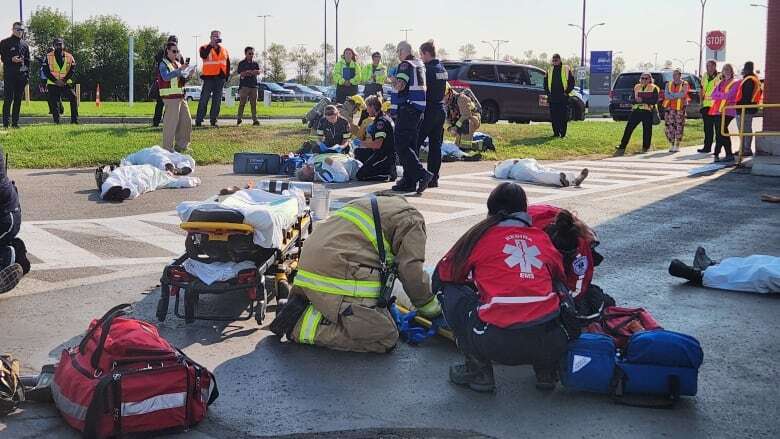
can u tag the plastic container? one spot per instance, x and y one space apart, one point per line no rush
320 202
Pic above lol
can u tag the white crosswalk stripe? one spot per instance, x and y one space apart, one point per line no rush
458 196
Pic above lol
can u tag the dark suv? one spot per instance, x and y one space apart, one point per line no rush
621 97
507 91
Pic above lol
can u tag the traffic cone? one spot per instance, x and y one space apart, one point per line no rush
97 96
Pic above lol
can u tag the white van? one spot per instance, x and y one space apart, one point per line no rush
192 92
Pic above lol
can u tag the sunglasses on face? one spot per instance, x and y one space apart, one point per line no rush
18 29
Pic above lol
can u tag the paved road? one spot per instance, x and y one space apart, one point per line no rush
90 256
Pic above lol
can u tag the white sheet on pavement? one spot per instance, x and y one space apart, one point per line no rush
271 215
531 171
159 157
215 271
144 178
754 274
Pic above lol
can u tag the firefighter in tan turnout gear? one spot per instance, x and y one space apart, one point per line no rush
336 299
462 115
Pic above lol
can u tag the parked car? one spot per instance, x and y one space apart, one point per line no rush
303 92
192 92
278 93
621 97
507 91
584 95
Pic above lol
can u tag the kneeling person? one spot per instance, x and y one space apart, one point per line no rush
333 132
13 253
378 152
336 290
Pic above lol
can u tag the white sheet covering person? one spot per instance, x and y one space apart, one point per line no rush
161 159
131 181
531 171
752 274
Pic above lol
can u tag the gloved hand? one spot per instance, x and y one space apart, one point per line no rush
430 310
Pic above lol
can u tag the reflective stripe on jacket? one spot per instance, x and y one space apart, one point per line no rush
374 75
757 91
565 71
216 63
723 96
60 71
342 71
707 87
173 87
676 103
415 93
639 88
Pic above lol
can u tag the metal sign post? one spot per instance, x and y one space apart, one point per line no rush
130 62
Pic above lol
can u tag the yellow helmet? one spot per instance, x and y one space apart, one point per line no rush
360 103
385 106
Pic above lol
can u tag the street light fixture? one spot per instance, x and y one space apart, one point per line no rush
496 48
406 33
682 62
265 50
584 39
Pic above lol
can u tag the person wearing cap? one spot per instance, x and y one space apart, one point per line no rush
15 54
374 76
60 67
158 58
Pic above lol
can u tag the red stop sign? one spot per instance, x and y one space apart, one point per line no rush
716 40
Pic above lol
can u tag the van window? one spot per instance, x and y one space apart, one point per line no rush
693 81
511 75
486 73
452 70
627 80
535 78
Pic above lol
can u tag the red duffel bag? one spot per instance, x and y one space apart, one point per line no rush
125 378
621 323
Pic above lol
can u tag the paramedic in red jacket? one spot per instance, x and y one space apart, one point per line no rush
497 294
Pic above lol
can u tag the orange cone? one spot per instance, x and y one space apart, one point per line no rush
97 96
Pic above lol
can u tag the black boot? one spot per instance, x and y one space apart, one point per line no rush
21 254
679 269
701 261
288 316
546 378
476 374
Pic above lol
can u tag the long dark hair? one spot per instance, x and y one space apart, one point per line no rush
565 232
506 199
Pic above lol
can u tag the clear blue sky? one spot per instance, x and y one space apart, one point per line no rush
638 29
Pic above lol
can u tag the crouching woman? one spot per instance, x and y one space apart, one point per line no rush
497 295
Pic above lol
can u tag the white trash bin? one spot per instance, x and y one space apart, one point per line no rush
320 202
266 98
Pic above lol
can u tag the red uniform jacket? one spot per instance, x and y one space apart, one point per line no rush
512 267
579 273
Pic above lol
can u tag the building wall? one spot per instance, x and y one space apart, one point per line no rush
772 70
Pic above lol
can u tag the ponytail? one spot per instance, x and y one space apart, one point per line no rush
565 233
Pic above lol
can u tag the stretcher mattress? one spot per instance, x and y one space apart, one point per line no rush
271 215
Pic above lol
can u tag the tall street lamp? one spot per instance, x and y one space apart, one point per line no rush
197 55
264 17
336 2
699 46
325 47
701 34
584 41
496 47
406 33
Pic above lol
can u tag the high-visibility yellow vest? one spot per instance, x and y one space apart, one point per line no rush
643 89
60 71
565 70
172 87
707 87
679 103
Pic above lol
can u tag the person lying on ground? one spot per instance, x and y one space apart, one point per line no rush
333 132
377 152
125 182
532 171
450 152
162 159
577 243
752 274
329 168
497 294
13 253
336 300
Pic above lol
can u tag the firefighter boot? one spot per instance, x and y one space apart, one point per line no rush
288 316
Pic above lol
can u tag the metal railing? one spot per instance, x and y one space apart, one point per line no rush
741 126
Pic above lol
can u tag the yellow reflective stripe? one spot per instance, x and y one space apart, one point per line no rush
311 320
341 287
366 225
403 76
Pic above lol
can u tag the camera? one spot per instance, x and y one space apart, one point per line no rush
219 40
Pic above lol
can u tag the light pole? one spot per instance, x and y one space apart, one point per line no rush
406 33
325 47
699 46
197 55
655 62
682 62
584 42
264 17
336 2
496 48
701 34
21 19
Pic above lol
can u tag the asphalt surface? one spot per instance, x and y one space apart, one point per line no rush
272 389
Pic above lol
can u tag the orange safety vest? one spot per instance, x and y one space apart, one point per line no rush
719 104
216 63
676 104
757 92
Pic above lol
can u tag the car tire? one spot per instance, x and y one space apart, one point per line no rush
576 110
490 112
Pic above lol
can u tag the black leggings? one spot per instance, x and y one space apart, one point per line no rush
644 117
541 345
720 139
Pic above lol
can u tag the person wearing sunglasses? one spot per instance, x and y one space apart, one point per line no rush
158 58
59 68
645 99
177 123
248 69
15 54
